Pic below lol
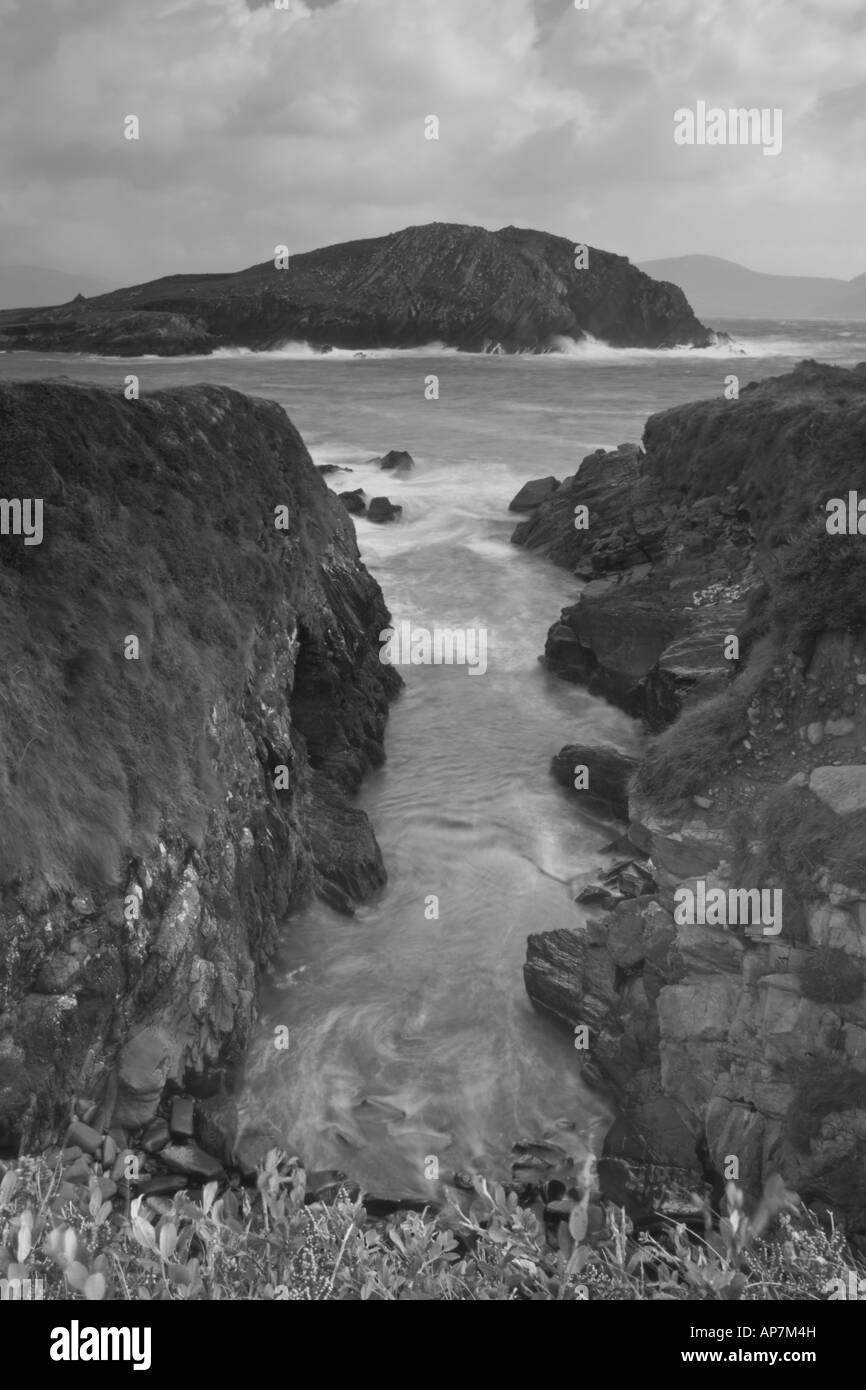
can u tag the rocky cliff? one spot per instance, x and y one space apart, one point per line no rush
720 609
515 289
190 694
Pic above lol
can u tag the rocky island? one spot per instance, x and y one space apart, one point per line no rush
721 609
512 290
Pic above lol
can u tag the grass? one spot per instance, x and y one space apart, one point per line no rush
267 1244
702 743
99 754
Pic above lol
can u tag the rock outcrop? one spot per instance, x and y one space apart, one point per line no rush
191 694
510 290
742 1039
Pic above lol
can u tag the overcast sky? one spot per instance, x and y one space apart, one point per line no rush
306 126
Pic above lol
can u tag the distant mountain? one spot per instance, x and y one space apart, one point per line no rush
515 289
30 286
721 288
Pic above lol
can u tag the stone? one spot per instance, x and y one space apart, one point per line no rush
608 775
381 509
109 1150
87 1139
216 1127
181 1121
78 1171
532 494
142 1068
815 733
396 460
707 950
354 501
163 1183
839 728
155 1136
192 1162
698 1010
842 788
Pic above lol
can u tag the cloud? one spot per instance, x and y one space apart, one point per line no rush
306 126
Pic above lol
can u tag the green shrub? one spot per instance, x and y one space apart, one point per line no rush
483 1246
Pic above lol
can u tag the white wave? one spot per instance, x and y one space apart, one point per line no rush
591 349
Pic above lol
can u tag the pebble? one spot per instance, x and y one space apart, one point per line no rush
109 1151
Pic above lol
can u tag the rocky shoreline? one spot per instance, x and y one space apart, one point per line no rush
165 814
729 1053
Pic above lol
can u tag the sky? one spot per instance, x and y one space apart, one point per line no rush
304 126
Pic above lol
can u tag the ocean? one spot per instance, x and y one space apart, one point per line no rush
411 1038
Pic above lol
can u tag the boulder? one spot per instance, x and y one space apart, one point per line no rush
532 494
353 501
142 1068
326 468
608 772
396 460
382 509
843 789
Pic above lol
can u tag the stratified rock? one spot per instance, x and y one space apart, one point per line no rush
381 509
609 775
532 494
514 289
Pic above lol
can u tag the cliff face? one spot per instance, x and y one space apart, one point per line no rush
191 691
723 1041
463 286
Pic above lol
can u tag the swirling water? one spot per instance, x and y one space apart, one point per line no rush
410 1036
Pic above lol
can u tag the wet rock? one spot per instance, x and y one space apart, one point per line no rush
354 501
381 509
608 775
396 460
532 494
